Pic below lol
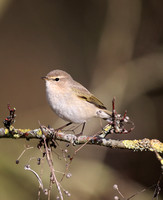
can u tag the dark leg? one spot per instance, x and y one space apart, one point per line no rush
81 133
60 128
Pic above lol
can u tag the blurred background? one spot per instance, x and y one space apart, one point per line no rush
114 48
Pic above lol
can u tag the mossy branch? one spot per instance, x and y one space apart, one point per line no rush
116 127
135 145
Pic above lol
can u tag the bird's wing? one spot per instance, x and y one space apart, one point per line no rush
92 99
83 93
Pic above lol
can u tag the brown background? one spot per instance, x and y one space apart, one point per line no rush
112 47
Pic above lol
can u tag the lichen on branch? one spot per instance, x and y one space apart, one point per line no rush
135 145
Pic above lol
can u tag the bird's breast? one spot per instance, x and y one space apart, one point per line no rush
69 107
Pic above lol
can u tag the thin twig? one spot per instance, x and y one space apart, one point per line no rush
50 163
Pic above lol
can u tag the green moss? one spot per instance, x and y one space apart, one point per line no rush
6 131
133 144
24 130
16 136
39 132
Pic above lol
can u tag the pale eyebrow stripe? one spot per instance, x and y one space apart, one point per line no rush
52 77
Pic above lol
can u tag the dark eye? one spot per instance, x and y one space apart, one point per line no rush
56 79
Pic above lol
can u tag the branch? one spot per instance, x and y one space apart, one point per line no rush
48 136
135 145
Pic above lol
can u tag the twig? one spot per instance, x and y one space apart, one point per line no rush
27 167
50 163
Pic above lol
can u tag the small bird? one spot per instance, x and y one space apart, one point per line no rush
71 101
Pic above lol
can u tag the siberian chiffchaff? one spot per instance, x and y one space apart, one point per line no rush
71 101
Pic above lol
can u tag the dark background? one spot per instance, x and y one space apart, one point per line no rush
114 48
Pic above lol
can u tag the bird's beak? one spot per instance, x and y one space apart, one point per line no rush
44 78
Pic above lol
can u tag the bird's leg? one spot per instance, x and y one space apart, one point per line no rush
60 128
81 133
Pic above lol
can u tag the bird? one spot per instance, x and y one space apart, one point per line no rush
71 101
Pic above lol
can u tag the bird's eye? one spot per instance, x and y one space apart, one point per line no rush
56 79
